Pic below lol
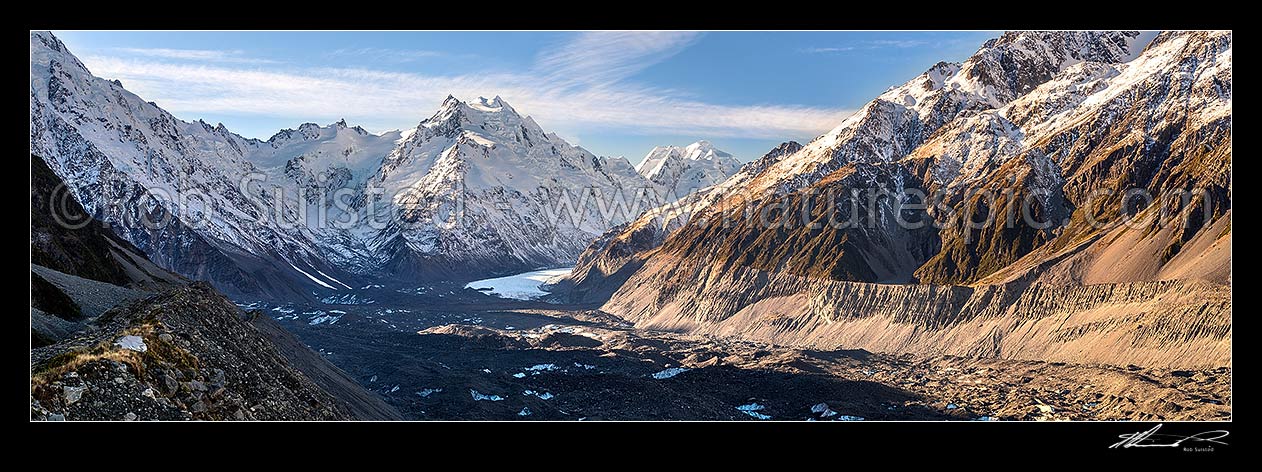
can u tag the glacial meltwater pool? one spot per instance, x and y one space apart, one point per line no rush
523 286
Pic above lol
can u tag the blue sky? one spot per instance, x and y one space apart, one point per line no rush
614 93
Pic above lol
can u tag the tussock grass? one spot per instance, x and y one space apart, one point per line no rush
158 352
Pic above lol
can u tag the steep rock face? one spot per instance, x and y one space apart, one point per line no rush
79 268
608 260
67 239
1159 125
899 120
821 231
945 113
1019 132
984 165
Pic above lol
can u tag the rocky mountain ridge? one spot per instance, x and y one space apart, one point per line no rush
1042 121
476 189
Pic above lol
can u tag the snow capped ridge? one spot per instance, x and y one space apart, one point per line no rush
704 150
683 170
474 184
119 152
900 119
482 116
698 151
1053 117
505 171
495 104
468 191
973 147
312 131
454 107
485 122
49 47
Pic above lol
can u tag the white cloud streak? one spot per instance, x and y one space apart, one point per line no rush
203 55
828 50
897 43
605 57
580 88
385 54
874 44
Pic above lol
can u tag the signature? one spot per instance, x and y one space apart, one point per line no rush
1151 438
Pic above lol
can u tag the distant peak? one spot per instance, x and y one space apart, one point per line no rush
455 115
450 102
704 150
448 116
340 123
495 104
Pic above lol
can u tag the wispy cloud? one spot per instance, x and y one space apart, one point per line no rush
386 54
828 50
577 88
873 44
605 57
898 43
204 55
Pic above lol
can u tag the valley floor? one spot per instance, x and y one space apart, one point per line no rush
482 358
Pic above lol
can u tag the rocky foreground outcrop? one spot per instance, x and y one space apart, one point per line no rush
185 354
114 337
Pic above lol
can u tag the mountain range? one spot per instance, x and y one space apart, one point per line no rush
475 189
1060 128
1100 161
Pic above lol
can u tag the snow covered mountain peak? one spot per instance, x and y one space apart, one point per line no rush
703 150
469 190
481 116
477 183
683 170
698 151
495 104
46 47
452 105
313 131
483 123
1002 70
